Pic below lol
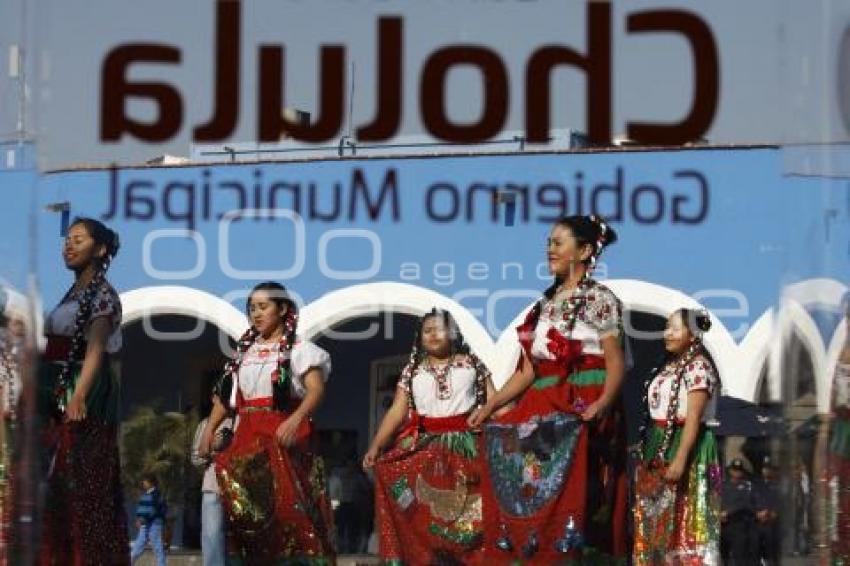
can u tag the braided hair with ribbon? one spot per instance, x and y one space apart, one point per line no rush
282 375
108 240
698 322
457 345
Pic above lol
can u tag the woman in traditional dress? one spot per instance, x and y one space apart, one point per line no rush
677 482
428 486
839 446
84 517
557 459
272 481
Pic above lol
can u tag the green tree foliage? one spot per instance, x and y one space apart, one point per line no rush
159 443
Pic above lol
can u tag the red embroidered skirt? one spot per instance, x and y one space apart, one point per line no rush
428 495
275 499
555 490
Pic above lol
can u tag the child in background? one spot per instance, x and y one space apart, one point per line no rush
150 518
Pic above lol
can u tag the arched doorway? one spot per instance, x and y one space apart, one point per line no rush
368 353
174 366
169 363
644 349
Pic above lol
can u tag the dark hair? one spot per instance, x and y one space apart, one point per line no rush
277 293
280 386
697 321
150 477
101 235
457 345
456 342
587 230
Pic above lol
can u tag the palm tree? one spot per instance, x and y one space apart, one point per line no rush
159 443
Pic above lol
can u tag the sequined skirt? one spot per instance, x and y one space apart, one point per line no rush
428 499
84 519
276 501
678 524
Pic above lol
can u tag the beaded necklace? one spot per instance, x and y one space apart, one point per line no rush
416 358
284 355
78 339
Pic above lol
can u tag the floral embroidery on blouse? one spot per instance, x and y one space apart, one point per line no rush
699 375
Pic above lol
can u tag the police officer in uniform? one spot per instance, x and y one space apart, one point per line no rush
737 536
767 501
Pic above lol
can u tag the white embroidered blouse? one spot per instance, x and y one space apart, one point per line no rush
699 375
598 318
456 398
260 363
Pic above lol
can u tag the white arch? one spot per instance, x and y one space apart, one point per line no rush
741 365
321 314
388 296
817 293
755 349
839 338
175 299
795 318
662 301
767 339
771 332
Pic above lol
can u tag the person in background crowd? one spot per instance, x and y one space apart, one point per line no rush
350 492
212 512
801 491
768 501
150 518
738 537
